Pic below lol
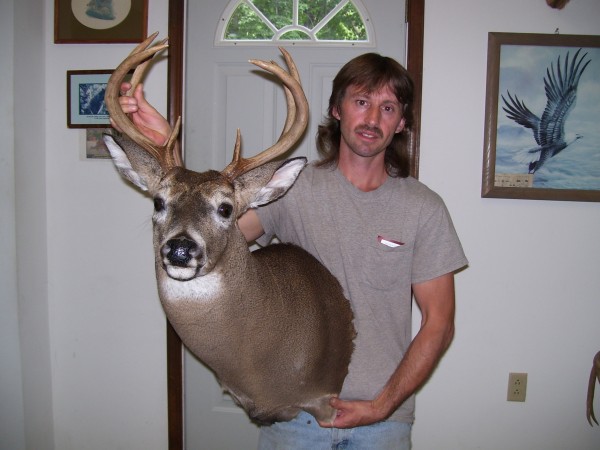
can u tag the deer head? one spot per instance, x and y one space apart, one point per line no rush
273 325
159 169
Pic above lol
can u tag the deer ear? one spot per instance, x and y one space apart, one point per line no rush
267 182
134 163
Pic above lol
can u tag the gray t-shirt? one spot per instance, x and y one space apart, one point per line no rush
377 244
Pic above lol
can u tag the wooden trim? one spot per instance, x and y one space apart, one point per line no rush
175 389
175 377
176 55
415 18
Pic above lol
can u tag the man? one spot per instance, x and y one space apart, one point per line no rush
384 235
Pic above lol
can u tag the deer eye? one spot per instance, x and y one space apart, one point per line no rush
225 210
159 204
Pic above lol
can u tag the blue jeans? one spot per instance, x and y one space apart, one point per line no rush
304 433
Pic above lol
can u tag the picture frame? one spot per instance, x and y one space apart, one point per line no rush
100 21
527 154
93 146
85 98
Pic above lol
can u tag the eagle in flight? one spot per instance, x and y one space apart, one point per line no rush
560 84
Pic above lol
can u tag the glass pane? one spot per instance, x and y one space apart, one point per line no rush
246 25
311 12
279 12
346 25
294 35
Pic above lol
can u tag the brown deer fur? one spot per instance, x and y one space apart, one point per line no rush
273 325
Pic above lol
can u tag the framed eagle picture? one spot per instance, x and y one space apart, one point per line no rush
542 139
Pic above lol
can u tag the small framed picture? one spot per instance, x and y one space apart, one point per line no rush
542 139
85 98
93 146
100 21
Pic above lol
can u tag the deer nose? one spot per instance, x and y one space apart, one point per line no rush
179 251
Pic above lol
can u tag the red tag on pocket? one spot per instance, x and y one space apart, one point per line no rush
389 242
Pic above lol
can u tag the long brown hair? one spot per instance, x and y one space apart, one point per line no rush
370 72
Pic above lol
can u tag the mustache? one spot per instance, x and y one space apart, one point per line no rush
373 130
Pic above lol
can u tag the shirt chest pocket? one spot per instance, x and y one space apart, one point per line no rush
385 266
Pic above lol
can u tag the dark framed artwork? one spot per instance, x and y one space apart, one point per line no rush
542 138
100 21
85 98
94 145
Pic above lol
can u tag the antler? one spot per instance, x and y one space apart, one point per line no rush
295 124
168 155
594 375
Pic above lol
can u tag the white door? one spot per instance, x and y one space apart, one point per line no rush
224 92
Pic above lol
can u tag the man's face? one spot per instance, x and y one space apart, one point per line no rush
368 121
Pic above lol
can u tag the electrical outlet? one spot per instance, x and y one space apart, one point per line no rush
517 387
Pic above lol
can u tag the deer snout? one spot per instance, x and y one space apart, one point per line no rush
181 258
180 251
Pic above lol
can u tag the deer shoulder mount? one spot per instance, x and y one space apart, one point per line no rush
273 325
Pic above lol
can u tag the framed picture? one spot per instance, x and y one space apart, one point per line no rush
85 98
94 146
100 21
542 139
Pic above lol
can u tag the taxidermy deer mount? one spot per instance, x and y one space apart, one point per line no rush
273 325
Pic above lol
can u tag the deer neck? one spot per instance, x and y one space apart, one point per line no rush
236 272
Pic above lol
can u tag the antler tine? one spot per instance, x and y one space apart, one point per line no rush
168 154
295 124
594 375
288 95
139 71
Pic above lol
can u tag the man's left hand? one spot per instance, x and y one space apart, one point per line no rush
352 414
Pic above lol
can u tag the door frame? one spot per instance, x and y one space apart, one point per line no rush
415 19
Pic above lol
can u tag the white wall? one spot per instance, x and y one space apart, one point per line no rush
30 224
12 430
91 330
107 328
530 300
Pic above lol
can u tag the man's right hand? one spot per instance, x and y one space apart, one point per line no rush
143 115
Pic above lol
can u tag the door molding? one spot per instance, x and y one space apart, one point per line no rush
415 17
175 392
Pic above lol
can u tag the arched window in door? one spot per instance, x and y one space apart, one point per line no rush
299 22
